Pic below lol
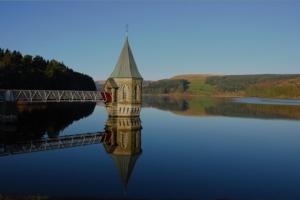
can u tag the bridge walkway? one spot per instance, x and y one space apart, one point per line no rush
31 96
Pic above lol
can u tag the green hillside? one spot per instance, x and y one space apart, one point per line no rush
166 86
261 85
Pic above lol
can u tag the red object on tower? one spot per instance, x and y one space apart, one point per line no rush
106 96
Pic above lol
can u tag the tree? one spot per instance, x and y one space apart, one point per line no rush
39 63
27 60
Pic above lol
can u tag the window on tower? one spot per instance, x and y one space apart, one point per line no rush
125 93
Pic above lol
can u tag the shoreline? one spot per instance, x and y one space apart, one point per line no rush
221 96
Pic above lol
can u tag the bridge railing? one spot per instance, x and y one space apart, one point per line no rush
50 96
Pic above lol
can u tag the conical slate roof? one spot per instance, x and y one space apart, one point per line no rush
126 66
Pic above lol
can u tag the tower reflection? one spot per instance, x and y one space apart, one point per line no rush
124 145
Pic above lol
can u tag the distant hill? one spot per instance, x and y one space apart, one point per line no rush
99 84
259 85
193 76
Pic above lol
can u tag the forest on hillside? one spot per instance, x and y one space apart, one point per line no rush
19 71
165 86
259 85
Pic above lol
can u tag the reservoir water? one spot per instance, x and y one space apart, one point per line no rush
181 148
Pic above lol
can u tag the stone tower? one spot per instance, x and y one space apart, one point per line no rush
124 85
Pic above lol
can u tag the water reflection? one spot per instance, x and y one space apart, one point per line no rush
27 122
46 144
125 144
218 156
36 128
206 106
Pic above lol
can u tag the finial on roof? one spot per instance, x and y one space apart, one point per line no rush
127 30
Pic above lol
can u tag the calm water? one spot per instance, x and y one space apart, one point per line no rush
268 101
197 148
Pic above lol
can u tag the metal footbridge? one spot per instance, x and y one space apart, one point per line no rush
31 96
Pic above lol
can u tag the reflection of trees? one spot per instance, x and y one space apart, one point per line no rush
255 110
203 106
34 121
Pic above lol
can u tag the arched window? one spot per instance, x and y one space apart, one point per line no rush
136 92
125 93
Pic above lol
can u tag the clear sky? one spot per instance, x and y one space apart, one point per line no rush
167 37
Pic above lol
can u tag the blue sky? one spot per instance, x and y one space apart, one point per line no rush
167 37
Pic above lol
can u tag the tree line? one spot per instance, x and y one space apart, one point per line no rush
166 86
19 71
